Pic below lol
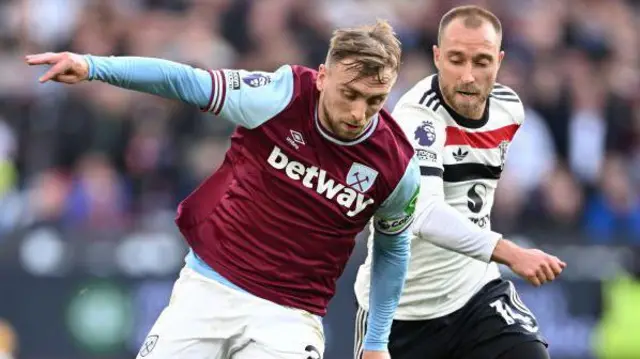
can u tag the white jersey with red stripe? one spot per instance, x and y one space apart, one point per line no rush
460 159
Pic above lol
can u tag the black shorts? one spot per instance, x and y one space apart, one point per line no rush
491 322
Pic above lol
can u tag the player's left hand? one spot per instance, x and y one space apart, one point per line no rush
369 354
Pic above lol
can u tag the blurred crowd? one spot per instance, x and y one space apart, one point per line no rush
96 157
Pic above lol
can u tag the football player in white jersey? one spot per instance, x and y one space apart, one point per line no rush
455 305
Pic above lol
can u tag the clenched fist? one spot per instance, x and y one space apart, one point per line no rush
534 265
537 266
67 67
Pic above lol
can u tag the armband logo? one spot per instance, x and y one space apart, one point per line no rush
393 226
411 206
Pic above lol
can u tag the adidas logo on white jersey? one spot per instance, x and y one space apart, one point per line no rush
345 196
460 155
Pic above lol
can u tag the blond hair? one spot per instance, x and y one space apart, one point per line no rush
474 16
369 49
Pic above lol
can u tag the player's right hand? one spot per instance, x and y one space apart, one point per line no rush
534 265
67 67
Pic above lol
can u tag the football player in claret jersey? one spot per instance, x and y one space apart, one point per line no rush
313 160
454 304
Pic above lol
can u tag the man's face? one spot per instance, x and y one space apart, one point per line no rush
468 60
347 106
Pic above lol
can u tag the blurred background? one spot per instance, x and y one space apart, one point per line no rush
90 175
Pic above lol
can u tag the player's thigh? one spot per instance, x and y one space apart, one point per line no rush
161 346
174 335
200 321
494 321
415 339
278 332
359 331
255 350
526 350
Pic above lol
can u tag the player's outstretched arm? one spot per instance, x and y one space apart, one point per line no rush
244 98
155 76
391 253
445 227
442 225
436 221
439 223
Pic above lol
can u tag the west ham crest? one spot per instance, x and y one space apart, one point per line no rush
361 177
148 345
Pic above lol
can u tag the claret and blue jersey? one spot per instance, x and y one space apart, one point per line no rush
280 216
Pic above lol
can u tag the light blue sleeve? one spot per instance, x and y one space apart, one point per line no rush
245 98
391 253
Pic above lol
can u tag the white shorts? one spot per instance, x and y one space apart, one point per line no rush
208 320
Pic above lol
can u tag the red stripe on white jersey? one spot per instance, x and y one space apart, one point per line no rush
488 139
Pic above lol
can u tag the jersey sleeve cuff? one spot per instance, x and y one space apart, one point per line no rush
218 92
491 243
91 65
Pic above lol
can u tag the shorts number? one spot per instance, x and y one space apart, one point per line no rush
511 316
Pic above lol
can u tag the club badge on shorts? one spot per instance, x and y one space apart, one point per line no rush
148 345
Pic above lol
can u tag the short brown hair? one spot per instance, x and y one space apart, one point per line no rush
474 16
371 48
